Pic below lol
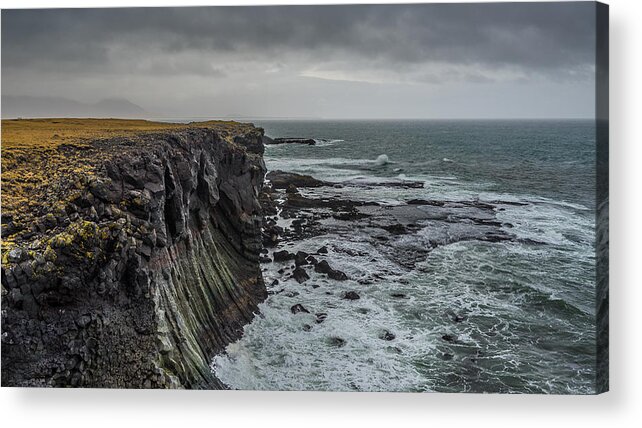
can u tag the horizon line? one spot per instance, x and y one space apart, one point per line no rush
239 118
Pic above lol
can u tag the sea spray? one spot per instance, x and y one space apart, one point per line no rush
382 160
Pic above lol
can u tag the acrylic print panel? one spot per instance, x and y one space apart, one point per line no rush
337 198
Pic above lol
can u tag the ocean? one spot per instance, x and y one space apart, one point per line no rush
472 315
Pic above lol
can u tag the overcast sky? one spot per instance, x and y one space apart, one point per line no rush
376 61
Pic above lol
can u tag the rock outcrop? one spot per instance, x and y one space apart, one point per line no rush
282 180
308 141
146 271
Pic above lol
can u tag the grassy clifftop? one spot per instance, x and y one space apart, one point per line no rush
51 133
46 161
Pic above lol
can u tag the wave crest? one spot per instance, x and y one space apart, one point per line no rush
382 160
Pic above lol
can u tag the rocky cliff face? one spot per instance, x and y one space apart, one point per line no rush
149 270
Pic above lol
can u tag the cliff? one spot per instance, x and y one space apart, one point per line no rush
130 250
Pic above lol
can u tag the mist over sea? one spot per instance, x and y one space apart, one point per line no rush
524 309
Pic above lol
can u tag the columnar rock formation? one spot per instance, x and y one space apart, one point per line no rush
149 268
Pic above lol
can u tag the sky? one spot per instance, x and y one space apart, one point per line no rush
431 61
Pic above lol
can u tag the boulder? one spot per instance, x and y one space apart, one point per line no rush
449 338
324 267
299 308
336 341
282 256
300 275
386 335
301 258
351 295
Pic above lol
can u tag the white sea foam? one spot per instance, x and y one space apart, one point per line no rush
501 289
382 160
320 142
492 285
291 358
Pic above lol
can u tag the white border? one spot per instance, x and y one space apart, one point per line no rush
620 407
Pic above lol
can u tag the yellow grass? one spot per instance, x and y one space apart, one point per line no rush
50 133
45 160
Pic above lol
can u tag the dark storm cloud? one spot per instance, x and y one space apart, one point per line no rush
550 38
368 61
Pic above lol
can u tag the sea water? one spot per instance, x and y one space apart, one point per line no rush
528 305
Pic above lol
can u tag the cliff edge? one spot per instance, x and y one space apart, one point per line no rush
130 250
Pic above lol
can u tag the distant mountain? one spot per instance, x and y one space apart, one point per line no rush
24 106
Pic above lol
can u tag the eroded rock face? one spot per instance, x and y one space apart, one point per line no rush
153 271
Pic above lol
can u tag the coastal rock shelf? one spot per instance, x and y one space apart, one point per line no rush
287 140
138 260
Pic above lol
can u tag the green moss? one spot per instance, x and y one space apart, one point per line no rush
50 255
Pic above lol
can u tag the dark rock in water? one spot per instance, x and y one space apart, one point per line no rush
514 203
281 180
396 229
386 335
324 267
350 215
398 295
323 250
271 233
446 356
403 184
296 201
307 327
351 295
292 189
459 318
394 349
301 258
425 202
337 275
495 237
321 317
267 140
299 308
291 294
290 140
300 275
449 338
312 260
336 341
263 259
282 256
275 282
